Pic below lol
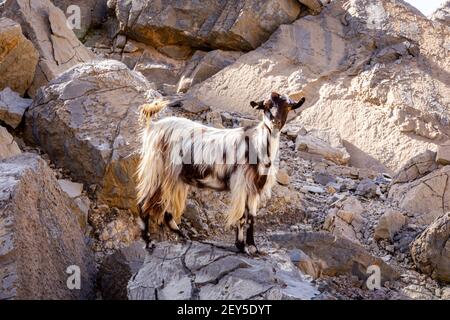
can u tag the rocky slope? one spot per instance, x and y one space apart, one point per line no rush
363 177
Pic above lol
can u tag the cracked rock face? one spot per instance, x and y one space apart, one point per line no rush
45 25
427 198
205 271
228 25
87 121
18 57
39 234
431 250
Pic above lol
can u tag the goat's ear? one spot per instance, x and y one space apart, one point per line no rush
257 105
298 104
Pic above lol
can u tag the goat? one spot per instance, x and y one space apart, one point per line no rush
177 153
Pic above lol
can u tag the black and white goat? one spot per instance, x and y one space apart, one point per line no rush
178 153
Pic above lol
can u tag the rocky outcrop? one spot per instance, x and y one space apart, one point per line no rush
427 198
12 107
203 65
210 272
45 25
87 121
228 25
333 255
8 147
431 250
18 57
356 79
39 235
442 14
93 13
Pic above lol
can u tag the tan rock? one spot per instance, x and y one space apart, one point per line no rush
227 25
314 5
431 250
315 146
87 121
389 224
283 177
443 154
40 235
8 147
416 167
45 26
18 57
427 198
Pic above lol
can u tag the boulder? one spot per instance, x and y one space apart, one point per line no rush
315 146
333 255
203 65
228 25
87 121
416 167
366 188
12 107
354 77
389 224
443 154
72 189
442 14
118 268
314 5
93 13
431 250
8 147
345 219
18 57
45 25
40 239
426 198
213 272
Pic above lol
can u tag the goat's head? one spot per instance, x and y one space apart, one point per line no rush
276 109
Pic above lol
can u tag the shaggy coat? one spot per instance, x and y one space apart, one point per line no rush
178 153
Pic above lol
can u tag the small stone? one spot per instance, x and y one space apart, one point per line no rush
324 178
367 188
312 189
389 224
73 189
283 177
12 107
443 154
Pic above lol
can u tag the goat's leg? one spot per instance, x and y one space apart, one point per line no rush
252 205
170 222
240 226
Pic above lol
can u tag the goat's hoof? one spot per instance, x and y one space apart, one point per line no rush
240 246
251 250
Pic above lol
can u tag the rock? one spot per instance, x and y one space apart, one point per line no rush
442 14
227 25
333 255
389 224
191 104
8 147
93 13
361 87
118 268
312 189
426 198
418 292
283 177
18 59
323 178
72 189
431 250
45 25
12 107
83 204
314 5
367 188
315 146
345 219
304 263
86 120
416 167
203 65
205 271
443 154
40 237
214 119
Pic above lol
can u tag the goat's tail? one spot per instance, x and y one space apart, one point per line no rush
148 110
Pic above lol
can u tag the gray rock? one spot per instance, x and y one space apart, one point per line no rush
40 237
333 255
367 188
323 178
12 107
118 268
206 271
431 250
